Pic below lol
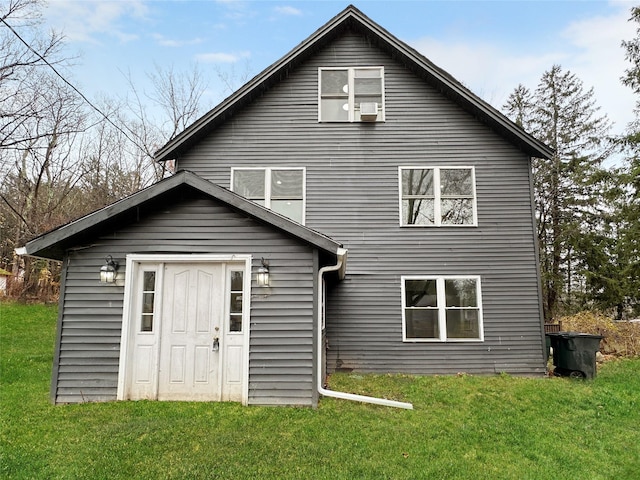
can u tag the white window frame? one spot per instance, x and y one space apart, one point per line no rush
442 308
437 213
156 306
229 293
267 186
353 118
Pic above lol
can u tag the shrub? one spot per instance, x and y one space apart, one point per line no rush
621 339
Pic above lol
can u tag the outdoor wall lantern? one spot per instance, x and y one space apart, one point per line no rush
108 270
263 274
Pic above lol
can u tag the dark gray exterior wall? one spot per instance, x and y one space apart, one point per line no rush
281 346
352 196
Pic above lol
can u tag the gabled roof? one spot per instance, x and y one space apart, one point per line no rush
353 19
53 244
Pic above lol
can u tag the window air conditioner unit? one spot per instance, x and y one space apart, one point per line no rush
368 111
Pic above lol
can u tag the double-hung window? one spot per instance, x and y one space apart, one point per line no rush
441 309
280 189
437 196
351 94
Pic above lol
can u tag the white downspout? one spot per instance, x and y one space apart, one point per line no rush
330 393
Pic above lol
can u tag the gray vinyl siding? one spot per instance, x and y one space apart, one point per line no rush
281 345
352 196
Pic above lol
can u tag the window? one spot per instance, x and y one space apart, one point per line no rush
235 301
280 189
441 309
148 301
437 196
351 94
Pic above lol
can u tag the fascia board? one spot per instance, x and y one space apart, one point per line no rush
262 213
182 140
78 226
50 239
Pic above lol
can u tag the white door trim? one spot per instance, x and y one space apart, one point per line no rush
132 261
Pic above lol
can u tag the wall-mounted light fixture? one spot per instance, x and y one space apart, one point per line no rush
108 270
263 274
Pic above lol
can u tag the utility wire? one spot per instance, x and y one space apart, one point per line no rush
73 87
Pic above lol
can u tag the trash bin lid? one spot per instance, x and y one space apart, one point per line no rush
574 335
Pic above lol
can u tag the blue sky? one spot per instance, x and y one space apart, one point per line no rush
490 46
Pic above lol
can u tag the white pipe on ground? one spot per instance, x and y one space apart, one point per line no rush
330 393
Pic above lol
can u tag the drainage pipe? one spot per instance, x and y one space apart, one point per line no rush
342 253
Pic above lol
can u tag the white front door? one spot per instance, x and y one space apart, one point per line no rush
192 307
185 331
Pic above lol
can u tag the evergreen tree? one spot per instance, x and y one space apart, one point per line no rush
631 77
621 288
610 245
561 113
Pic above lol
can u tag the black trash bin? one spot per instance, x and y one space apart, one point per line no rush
574 354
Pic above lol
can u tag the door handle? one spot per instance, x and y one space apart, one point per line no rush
216 344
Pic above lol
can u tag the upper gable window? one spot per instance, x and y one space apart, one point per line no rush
437 196
280 189
351 94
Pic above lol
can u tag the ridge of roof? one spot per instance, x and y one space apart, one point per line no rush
48 243
351 15
177 144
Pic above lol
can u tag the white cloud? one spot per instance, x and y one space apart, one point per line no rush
589 48
83 21
168 42
489 70
221 57
599 60
288 10
237 10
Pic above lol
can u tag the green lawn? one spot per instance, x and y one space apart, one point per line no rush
462 427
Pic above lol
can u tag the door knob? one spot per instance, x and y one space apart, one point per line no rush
216 344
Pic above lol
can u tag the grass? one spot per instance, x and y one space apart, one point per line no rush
497 427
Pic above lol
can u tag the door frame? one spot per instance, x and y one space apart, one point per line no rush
133 262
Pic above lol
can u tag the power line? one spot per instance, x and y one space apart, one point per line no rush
73 87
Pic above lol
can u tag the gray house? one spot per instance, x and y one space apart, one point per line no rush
353 207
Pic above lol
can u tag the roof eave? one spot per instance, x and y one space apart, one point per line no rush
51 245
259 212
457 91
182 141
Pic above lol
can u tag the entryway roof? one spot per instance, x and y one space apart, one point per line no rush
53 244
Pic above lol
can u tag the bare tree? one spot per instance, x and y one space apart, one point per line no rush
41 121
231 78
155 116
106 151
57 147
45 169
24 52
